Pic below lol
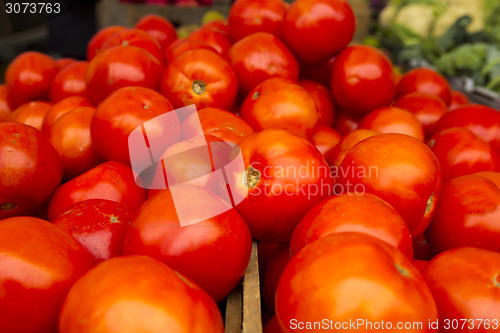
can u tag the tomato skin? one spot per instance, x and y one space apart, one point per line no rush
121 66
39 264
323 99
458 99
421 248
216 38
5 109
181 46
213 253
347 142
324 138
110 180
353 274
159 28
95 44
320 72
277 264
30 170
426 81
345 123
60 108
308 27
63 62
381 163
357 70
70 81
261 56
31 113
137 294
272 326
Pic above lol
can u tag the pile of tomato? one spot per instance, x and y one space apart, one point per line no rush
374 196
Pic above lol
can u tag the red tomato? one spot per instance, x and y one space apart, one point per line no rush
276 266
99 225
400 170
265 251
320 72
217 39
343 214
347 142
123 111
212 252
325 138
200 77
315 30
70 81
95 44
122 66
159 28
323 99
345 123
30 170
63 62
420 264
247 17
285 176
273 326
458 99
137 294
421 248
467 215
391 119
39 264
280 103
110 180
362 80
5 109
352 276
181 46
60 108
426 81
259 57
28 77
31 113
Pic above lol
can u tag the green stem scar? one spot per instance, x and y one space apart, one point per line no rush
199 87
252 177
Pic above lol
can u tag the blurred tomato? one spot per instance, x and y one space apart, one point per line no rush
70 81
265 251
95 44
217 39
426 81
325 138
458 99
62 107
421 248
420 264
31 113
5 109
63 62
323 99
159 28
345 123
277 264
181 46
273 326
320 72
347 142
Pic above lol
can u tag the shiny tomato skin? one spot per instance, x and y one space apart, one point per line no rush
324 138
159 28
39 264
216 38
60 108
381 164
5 109
31 113
110 180
70 81
458 99
122 112
277 264
316 30
30 170
348 276
200 77
424 80
358 70
95 44
121 66
261 56
181 46
213 253
347 142
99 225
137 294
323 99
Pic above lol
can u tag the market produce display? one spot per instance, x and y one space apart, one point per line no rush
373 195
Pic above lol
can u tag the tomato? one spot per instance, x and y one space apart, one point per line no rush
421 248
347 142
316 30
122 66
343 214
265 251
320 72
38 265
31 113
5 109
110 180
426 81
272 326
345 123
95 44
400 170
467 215
280 103
181 46
458 280
30 170
458 99
159 28
200 77
247 17
137 294
70 81
362 80
259 57
351 277
285 176
28 77
62 107
63 62
420 264
99 225
208 242
391 119
123 111
323 99
277 264
325 138
217 39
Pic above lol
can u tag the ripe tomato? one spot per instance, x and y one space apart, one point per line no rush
280 103
352 276
30 170
181 46
259 57
272 326
70 81
391 119
325 138
124 110
345 123
315 30
60 108
213 252
137 294
277 264
285 176
420 264
347 142
95 44
216 38
63 62
31 113
159 28
362 80
247 17
400 170
426 81
5 109
200 77
28 77
320 72
39 264
458 99
110 180
323 99
467 215
421 248
122 66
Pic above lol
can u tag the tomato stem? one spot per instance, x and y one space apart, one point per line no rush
199 87
8 206
252 177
